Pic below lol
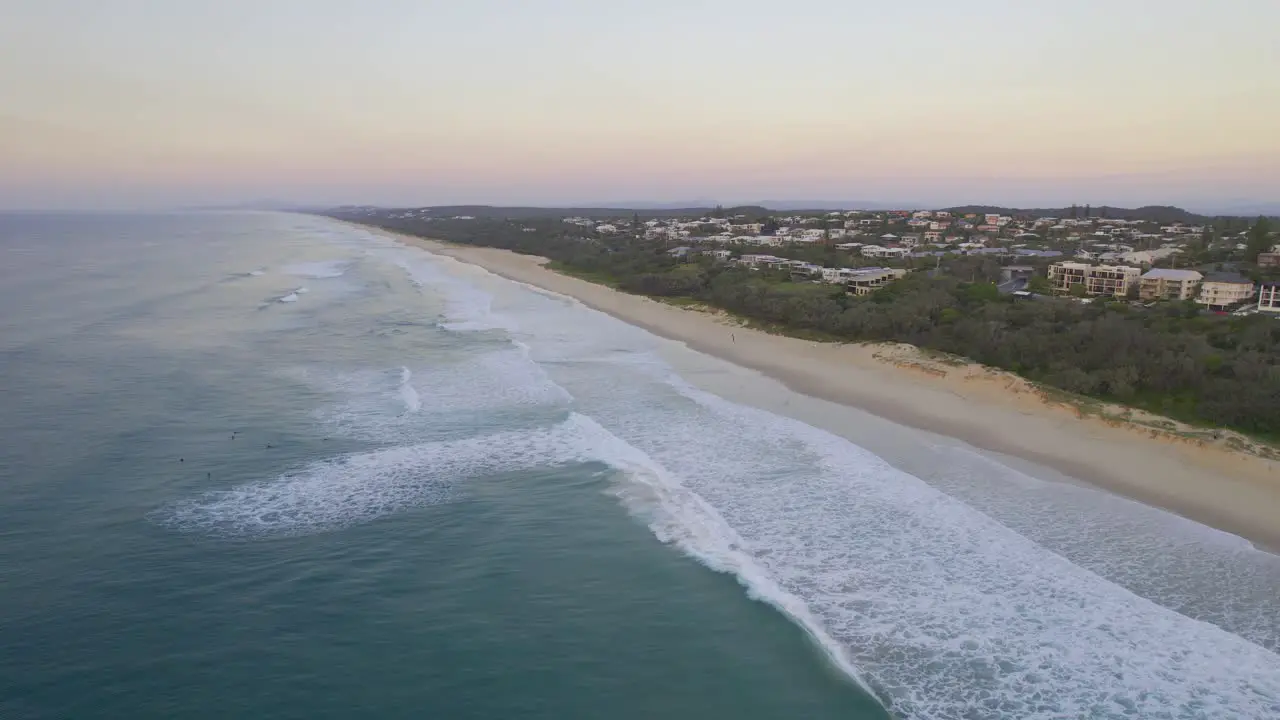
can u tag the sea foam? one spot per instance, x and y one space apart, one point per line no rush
395 406
945 612
362 487
412 401
318 270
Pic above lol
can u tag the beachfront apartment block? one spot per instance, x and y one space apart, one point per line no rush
1095 279
1269 297
869 280
1220 291
1168 284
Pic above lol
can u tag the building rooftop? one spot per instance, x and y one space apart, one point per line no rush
1170 274
1226 277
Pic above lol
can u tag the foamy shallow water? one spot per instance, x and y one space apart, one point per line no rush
938 601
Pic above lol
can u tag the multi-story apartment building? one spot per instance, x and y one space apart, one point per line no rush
869 280
1096 279
1167 284
1269 297
1222 290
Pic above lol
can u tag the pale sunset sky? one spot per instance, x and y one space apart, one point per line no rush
146 103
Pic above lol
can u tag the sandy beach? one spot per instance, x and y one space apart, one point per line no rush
1216 478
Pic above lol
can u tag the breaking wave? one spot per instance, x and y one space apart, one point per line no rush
945 612
318 270
412 401
362 487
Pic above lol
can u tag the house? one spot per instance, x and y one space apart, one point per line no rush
1167 284
909 240
606 228
884 252
756 261
801 270
1145 257
932 237
1009 273
1096 279
1269 259
1220 291
844 275
868 280
1269 297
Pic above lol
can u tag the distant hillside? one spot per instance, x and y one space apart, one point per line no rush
1270 210
1153 213
817 205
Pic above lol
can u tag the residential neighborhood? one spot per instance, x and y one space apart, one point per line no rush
1085 255
1117 258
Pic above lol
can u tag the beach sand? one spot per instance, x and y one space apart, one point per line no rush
1220 479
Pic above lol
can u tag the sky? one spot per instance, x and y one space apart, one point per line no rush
150 103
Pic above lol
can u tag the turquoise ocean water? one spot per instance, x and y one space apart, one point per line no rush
265 465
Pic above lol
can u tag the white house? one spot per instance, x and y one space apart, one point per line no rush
877 251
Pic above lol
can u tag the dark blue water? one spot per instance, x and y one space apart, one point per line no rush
131 350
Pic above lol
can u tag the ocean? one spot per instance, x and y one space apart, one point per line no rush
274 466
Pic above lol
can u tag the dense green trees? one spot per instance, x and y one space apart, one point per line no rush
1260 240
1172 359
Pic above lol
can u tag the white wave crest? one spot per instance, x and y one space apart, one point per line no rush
680 517
353 489
318 270
412 402
467 308
291 297
381 406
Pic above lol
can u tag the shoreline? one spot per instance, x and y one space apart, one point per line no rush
1188 471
